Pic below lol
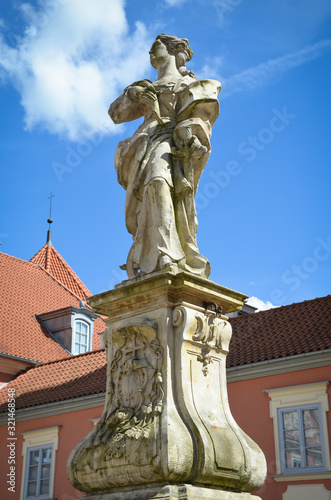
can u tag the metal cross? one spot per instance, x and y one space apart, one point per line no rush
50 204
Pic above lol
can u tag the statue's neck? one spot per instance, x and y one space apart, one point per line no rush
167 69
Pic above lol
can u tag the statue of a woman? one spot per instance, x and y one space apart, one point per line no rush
160 165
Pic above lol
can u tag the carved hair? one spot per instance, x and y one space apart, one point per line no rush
182 51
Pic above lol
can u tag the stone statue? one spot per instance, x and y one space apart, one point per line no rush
161 164
166 432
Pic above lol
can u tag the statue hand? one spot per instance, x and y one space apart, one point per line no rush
145 94
142 88
134 91
190 146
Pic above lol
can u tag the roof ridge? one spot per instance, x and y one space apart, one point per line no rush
58 281
48 258
19 258
38 266
70 269
48 255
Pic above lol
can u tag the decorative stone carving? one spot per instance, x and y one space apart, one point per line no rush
227 457
125 436
136 392
212 332
161 164
166 418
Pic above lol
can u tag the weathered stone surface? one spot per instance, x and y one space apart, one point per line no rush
161 164
173 492
166 416
169 287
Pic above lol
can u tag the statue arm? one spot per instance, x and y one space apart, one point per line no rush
138 99
126 107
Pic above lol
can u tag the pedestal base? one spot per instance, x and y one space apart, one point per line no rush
167 424
173 492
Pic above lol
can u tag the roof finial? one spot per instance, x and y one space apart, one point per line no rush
49 232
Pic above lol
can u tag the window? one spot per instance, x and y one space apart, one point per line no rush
301 431
71 326
39 450
82 337
301 439
38 476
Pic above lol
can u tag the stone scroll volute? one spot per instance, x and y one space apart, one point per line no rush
226 457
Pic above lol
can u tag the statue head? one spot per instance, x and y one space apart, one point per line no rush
180 48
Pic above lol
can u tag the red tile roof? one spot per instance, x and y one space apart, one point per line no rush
51 260
284 331
99 327
28 290
81 375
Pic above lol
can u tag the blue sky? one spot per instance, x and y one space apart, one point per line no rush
264 197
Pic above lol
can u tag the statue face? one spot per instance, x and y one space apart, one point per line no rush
158 52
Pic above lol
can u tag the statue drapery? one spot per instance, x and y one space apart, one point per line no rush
160 167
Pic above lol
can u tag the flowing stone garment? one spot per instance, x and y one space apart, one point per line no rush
160 167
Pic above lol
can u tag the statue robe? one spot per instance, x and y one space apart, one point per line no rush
160 184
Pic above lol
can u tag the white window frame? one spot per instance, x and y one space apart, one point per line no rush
79 317
41 438
304 468
89 336
314 395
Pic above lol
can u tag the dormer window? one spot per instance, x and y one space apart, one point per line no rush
72 327
82 337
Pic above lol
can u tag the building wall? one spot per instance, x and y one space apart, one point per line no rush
74 426
250 407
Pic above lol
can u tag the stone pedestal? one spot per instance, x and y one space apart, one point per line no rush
173 492
167 431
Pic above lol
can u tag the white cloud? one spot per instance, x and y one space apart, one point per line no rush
211 68
175 3
259 75
73 59
259 304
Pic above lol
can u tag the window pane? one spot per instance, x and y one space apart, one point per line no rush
77 337
32 489
293 458
44 486
78 326
47 455
314 457
310 418
292 439
45 471
77 346
83 339
82 348
33 473
34 457
312 437
83 328
290 420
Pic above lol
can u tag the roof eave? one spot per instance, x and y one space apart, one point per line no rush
298 362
